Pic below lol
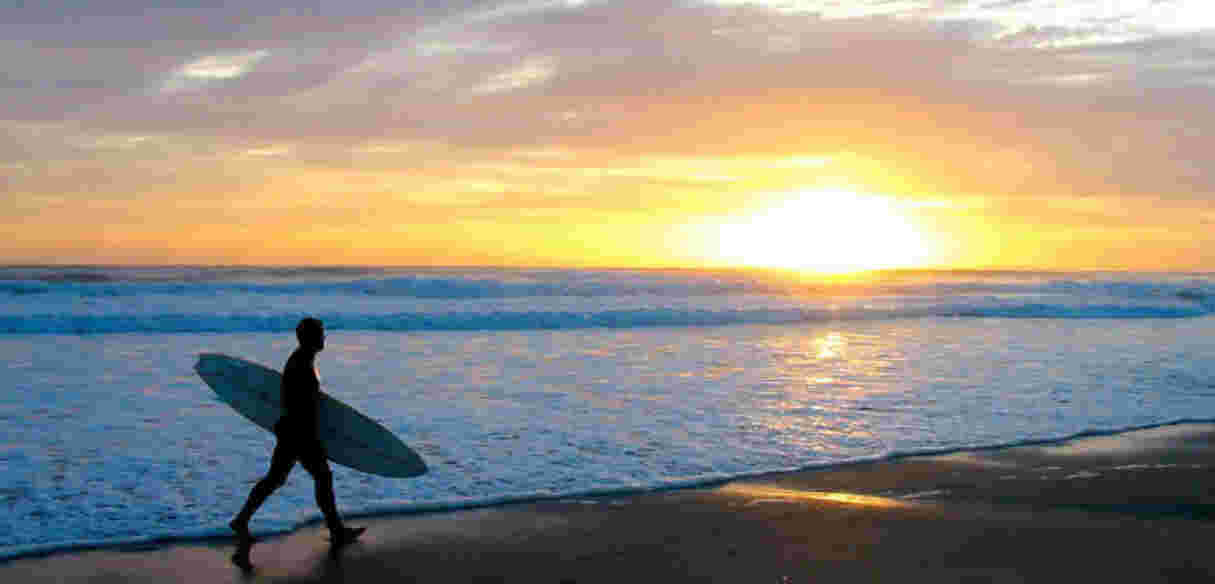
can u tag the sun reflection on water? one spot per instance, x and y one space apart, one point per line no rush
826 389
830 346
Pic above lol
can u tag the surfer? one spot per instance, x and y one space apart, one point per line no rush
297 440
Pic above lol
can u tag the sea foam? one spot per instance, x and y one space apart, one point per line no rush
272 300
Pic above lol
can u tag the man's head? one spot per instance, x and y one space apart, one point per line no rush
311 334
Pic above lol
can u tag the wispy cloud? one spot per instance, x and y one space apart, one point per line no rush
271 151
1030 23
832 9
212 68
1073 79
532 71
1066 23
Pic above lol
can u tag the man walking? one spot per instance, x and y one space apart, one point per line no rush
297 440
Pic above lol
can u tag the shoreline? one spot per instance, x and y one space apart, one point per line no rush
222 534
1139 502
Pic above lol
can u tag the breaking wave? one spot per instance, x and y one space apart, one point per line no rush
187 300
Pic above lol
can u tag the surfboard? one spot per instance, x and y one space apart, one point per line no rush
350 438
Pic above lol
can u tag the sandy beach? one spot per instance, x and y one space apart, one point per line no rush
1130 507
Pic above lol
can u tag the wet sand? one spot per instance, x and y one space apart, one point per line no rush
1136 507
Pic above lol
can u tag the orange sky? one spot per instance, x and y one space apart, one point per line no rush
628 133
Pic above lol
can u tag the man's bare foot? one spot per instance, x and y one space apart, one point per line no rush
242 531
241 556
345 537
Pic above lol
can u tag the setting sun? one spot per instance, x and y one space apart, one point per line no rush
826 231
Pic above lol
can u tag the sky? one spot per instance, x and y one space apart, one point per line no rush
813 134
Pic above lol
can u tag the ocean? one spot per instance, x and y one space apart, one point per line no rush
523 384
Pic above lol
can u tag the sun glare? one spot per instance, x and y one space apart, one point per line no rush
826 231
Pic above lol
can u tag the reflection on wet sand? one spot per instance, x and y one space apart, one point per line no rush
758 493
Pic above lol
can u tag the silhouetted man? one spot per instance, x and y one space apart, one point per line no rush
297 440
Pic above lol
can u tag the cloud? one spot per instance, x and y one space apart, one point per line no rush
210 69
1063 23
1073 79
931 90
836 9
268 151
64 57
1025 23
532 71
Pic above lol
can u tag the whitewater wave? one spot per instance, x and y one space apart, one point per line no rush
539 320
189 300
575 283
413 287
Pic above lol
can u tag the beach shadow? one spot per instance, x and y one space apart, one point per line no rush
331 568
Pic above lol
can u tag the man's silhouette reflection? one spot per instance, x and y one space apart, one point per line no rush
297 440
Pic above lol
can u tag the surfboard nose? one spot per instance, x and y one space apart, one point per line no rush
213 367
208 362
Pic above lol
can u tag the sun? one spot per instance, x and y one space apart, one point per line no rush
828 231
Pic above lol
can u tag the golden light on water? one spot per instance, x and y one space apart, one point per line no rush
830 346
829 231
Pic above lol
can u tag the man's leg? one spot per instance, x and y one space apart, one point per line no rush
313 460
281 463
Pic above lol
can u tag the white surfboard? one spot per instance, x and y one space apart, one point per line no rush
350 438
